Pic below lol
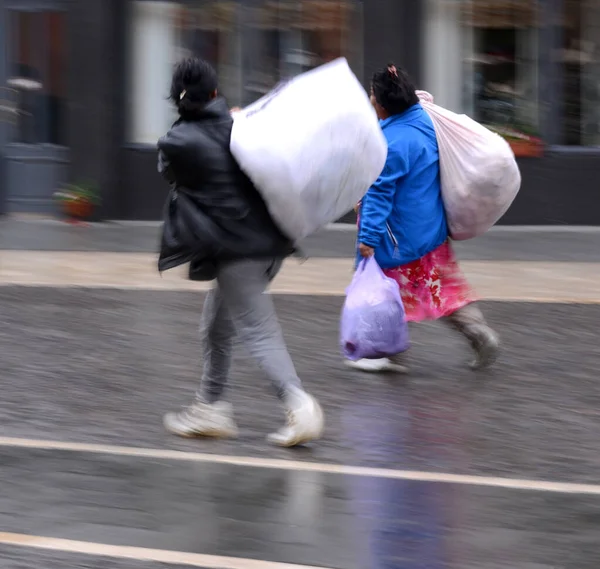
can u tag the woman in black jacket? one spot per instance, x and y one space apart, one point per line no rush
216 220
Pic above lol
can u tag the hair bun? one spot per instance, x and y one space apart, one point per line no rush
393 89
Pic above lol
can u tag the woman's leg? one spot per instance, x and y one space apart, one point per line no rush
443 290
208 416
241 301
470 322
243 285
217 335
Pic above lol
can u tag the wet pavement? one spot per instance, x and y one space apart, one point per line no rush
101 366
441 469
305 518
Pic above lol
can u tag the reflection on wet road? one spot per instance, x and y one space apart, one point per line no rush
99 367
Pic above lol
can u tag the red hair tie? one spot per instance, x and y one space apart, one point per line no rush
393 71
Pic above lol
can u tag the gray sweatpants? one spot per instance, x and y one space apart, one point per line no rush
238 304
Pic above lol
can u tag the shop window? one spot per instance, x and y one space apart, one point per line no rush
37 76
482 59
161 34
580 62
253 46
283 38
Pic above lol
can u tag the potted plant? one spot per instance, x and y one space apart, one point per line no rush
78 202
523 144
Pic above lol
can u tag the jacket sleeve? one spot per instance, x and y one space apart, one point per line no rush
164 167
171 144
378 202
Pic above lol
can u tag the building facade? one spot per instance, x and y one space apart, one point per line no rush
531 70
84 84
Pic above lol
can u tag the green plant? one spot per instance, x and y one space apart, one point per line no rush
83 192
514 132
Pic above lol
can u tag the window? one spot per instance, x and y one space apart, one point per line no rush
287 37
482 59
163 33
496 48
153 52
253 44
580 63
37 76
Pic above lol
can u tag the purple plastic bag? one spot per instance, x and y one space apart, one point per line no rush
373 322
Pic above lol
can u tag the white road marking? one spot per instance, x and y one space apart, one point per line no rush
142 553
295 465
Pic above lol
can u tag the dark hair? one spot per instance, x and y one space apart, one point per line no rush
394 89
192 86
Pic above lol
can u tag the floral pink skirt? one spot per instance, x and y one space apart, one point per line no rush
433 286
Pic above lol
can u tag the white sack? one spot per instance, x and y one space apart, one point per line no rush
479 174
312 147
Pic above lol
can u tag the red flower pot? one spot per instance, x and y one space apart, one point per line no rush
527 148
78 209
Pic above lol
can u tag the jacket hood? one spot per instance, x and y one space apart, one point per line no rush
197 138
215 109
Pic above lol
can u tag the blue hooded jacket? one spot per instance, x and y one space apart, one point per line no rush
402 215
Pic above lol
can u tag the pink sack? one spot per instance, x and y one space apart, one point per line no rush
479 174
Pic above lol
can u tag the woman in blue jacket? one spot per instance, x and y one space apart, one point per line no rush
402 223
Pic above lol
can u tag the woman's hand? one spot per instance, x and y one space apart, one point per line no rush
366 251
234 110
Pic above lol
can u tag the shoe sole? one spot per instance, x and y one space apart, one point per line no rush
389 368
231 434
204 435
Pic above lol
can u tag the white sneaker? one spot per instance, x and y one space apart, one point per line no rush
377 366
203 420
305 421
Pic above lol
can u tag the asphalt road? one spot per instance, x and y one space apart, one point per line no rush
470 466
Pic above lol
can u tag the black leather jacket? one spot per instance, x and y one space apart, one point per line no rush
213 212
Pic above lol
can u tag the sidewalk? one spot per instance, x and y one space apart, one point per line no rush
563 244
508 264
534 281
